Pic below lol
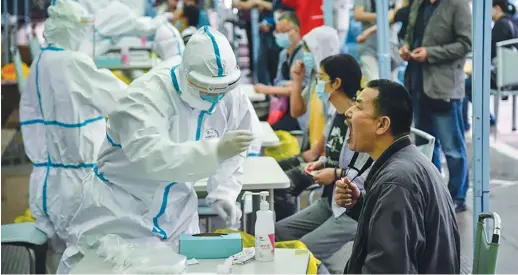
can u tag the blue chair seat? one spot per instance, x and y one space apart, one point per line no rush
23 233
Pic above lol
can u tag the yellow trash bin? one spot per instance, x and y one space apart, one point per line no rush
289 147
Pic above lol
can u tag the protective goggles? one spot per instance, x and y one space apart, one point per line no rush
214 84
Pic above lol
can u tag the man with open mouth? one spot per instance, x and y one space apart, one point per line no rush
406 219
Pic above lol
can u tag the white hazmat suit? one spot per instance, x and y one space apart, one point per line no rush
162 138
62 113
168 42
116 19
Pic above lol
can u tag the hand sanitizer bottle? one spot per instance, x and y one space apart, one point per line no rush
264 232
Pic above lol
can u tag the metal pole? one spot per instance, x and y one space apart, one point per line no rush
5 23
481 84
256 39
328 13
383 38
15 27
26 15
27 20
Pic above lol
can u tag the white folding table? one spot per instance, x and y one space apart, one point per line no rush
269 136
287 261
259 174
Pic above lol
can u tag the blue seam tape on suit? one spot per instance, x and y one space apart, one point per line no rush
66 166
45 181
100 175
175 37
175 81
156 227
110 140
62 124
216 50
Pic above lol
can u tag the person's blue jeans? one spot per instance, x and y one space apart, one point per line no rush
268 59
448 130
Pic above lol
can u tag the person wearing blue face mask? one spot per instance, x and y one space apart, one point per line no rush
287 36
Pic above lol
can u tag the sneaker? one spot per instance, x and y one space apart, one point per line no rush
460 206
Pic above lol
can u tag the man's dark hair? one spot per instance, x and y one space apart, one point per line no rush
346 68
192 13
290 17
395 102
503 4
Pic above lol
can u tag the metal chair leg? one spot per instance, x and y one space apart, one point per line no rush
208 225
514 113
311 197
497 107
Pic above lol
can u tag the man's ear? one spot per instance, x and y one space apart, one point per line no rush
383 125
336 84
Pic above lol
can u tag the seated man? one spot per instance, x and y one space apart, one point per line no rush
187 21
287 36
323 226
406 219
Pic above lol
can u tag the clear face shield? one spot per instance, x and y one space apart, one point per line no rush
213 88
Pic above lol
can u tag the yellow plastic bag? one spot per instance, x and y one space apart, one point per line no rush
9 72
122 77
289 147
26 217
249 241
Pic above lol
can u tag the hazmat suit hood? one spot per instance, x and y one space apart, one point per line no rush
209 59
322 42
168 42
67 25
93 6
119 19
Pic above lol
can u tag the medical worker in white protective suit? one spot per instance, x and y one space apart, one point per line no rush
62 113
177 124
119 19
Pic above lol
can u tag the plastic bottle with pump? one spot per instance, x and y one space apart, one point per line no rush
264 230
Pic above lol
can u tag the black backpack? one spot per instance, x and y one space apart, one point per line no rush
285 69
